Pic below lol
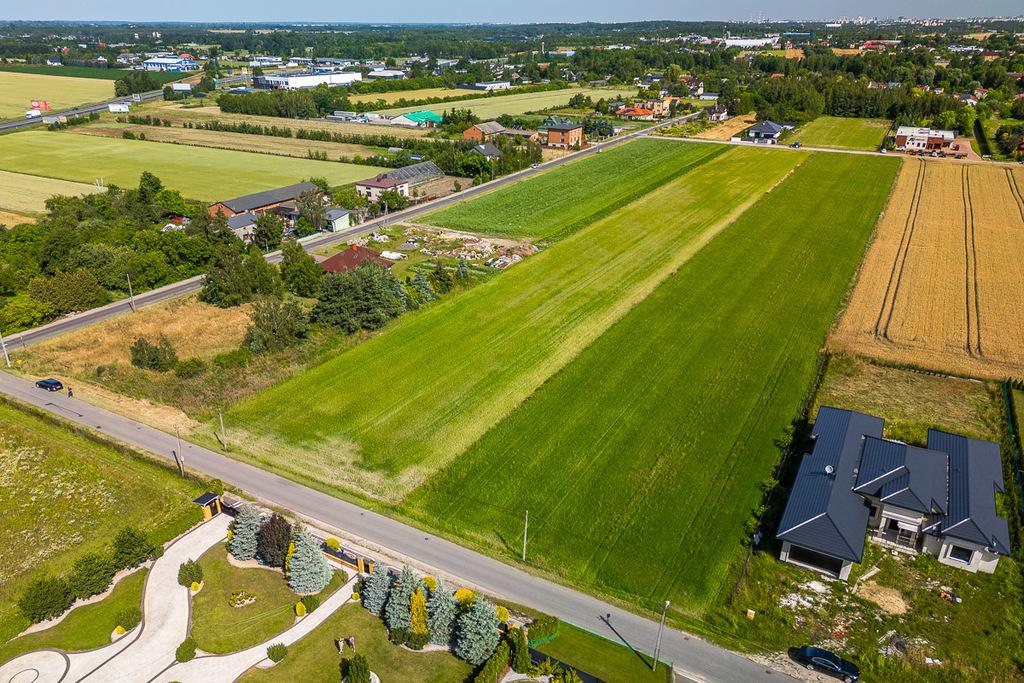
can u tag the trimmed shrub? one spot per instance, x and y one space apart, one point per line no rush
398 636
300 609
194 586
333 544
502 613
45 598
418 620
186 652
129 617
119 630
495 666
356 670
311 602
277 652
521 659
355 596
189 573
543 629
91 574
464 597
131 548
430 582
417 641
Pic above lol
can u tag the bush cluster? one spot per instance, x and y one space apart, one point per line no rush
543 629
186 652
356 669
496 665
159 355
190 572
277 652
129 617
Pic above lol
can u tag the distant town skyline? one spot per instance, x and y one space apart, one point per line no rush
525 11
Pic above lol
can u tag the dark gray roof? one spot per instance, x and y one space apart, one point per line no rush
268 197
487 149
766 128
975 474
907 476
823 513
564 126
242 220
414 174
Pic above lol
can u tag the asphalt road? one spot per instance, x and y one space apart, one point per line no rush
17 124
95 315
696 659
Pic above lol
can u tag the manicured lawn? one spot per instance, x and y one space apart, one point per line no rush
560 202
86 627
198 172
491 107
20 192
64 494
609 661
18 89
663 427
842 133
315 658
220 628
382 416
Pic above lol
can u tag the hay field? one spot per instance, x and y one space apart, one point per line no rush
198 173
941 285
662 428
382 416
838 132
177 114
421 94
9 219
491 107
27 193
728 128
264 144
18 89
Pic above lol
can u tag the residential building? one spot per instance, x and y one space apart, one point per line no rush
855 484
414 174
373 188
493 85
914 138
565 135
419 119
243 225
694 85
352 258
765 132
718 112
487 151
386 73
708 97
306 79
635 114
261 202
483 132
338 219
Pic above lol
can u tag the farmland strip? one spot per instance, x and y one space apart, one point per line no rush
1015 191
970 266
896 274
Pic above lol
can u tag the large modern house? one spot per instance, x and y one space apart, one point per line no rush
855 484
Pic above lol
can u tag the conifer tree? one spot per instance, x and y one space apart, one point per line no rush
442 610
244 533
375 591
476 632
396 612
308 571
423 288
418 614
520 651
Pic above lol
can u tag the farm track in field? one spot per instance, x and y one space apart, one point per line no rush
1011 180
900 262
970 269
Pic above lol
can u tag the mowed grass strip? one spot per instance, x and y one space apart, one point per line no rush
565 199
28 193
840 132
386 414
639 462
17 90
198 173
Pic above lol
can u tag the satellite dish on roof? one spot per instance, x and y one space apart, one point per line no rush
829 470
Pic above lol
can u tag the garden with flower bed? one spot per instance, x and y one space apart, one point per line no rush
270 574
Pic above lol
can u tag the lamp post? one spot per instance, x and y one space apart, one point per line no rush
661 630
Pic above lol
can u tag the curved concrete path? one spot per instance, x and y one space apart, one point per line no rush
149 648
229 667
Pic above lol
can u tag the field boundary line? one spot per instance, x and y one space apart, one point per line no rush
896 275
970 266
1011 180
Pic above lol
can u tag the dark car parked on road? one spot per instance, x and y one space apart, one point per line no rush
50 384
816 659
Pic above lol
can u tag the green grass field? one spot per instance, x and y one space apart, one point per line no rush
86 627
663 427
315 658
610 661
491 107
198 172
382 416
64 495
28 193
565 199
842 133
85 72
219 628
18 89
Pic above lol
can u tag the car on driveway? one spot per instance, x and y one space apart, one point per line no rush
823 661
50 384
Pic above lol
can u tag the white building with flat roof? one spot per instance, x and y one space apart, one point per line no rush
298 81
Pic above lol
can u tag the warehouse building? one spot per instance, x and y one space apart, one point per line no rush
307 79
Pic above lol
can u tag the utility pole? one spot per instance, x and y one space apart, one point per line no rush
223 434
7 358
178 455
661 629
526 525
131 295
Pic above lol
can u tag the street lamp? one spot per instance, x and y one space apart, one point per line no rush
661 629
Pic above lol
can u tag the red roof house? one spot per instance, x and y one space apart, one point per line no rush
352 258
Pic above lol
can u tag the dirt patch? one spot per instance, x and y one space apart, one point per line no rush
729 128
9 219
888 599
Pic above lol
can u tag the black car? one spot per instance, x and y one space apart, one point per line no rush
816 659
50 384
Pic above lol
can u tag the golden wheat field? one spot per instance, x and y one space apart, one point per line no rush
942 285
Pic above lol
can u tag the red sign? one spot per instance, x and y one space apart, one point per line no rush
41 104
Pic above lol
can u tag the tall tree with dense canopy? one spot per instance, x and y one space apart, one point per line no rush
274 538
245 533
300 272
396 612
442 610
308 571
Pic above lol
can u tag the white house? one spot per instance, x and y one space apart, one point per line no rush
338 219
118 107
854 484
765 132
170 63
493 85
915 138
374 187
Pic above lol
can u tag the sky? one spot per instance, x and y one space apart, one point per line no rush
524 11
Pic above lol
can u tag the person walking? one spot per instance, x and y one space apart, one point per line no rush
71 394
